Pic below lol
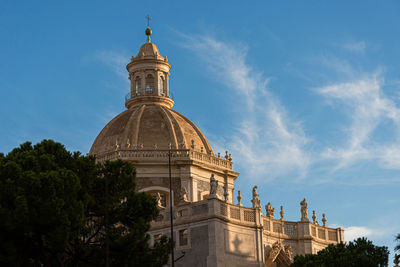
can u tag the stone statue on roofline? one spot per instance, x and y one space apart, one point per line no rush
303 210
213 187
270 210
256 202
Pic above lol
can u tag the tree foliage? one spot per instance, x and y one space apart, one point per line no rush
397 247
359 253
53 208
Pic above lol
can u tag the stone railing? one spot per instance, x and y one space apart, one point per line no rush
212 208
207 158
296 230
239 214
131 95
325 233
162 154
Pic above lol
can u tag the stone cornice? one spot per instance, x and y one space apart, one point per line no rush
149 100
181 156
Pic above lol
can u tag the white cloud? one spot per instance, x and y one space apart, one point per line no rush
266 143
115 61
354 232
355 47
364 101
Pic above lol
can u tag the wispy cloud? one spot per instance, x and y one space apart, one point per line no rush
266 143
115 61
354 46
354 232
365 103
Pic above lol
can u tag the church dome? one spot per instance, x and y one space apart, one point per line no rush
149 123
150 127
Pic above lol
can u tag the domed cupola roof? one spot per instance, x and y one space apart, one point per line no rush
149 50
150 127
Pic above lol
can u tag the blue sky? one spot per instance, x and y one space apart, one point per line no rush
305 95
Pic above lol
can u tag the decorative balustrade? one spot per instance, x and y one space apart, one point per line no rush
297 230
130 95
209 208
176 154
212 208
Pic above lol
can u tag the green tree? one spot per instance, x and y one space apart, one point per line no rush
397 247
53 211
361 252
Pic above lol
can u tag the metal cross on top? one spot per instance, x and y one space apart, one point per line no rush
148 20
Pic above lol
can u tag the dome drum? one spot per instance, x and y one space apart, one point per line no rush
132 100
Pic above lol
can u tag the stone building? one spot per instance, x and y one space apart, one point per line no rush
210 228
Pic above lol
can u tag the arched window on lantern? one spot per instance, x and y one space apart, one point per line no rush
149 84
161 85
138 85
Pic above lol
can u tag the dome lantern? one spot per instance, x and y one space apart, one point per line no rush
149 76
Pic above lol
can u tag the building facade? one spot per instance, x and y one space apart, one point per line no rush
210 229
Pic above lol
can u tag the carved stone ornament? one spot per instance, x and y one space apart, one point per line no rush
282 213
314 217
256 202
324 219
239 199
303 210
183 197
269 210
158 200
289 251
284 253
213 187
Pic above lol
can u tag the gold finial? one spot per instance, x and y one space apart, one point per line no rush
148 30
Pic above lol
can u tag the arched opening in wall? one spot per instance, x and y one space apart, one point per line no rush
161 85
163 193
149 84
138 85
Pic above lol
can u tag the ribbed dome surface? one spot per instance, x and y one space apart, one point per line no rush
150 126
149 50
